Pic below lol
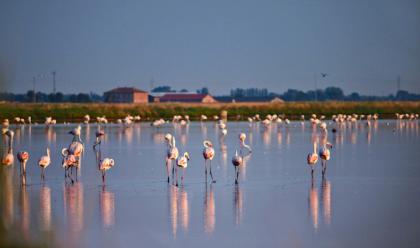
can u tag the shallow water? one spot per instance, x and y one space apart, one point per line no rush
369 196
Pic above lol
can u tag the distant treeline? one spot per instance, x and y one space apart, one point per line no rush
238 95
43 97
329 93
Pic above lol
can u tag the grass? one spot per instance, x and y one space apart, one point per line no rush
293 110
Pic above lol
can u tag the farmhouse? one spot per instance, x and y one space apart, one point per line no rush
126 95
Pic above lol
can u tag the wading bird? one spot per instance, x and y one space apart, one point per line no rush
44 162
171 154
99 134
69 162
312 159
324 153
208 154
237 161
8 159
76 134
10 134
182 162
23 157
104 165
242 138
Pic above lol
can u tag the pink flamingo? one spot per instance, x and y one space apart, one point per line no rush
182 162
44 162
99 134
23 157
208 154
312 159
104 165
237 161
325 155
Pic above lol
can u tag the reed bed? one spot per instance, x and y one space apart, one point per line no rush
239 111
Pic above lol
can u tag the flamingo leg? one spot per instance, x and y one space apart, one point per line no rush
103 177
211 174
237 174
183 175
167 168
173 169
176 176
20 168
205 168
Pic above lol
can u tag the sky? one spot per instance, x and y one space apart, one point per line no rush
96 45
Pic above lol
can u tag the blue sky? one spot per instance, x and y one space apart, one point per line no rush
98 45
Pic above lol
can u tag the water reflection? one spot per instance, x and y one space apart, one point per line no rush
50 134
74 205
8 200
173 208
107 206
184 209
325 206
45 207
314 205
209 210
179 211
238 204
326 200
25 215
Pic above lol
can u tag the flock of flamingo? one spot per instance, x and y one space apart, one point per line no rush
72 155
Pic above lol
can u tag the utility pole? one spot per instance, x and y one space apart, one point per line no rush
316 82
53 74
34 96
398 83
152 82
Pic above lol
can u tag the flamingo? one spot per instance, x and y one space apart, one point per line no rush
76 133
44 162
242 138
69 161
208 154
171 154
104 165
237 161
23 157
76 148
182 162
325 155
99 134
8 159
312 159
10 134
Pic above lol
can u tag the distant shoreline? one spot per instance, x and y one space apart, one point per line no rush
74 112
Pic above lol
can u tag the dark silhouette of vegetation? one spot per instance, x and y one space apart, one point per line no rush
238 95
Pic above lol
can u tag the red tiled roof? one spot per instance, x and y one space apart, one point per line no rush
182 97
126 90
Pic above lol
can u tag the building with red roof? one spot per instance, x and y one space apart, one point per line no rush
126 95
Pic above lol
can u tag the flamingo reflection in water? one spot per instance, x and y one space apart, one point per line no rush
313 202
178 208
238 204
74 205
209 211
45 207
25 214
107 206
326 200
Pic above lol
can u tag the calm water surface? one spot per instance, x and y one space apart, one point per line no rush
369 197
